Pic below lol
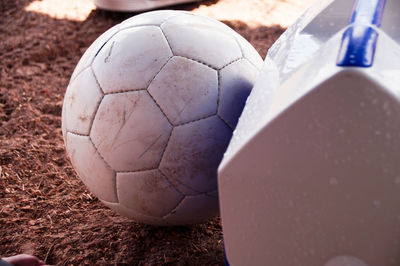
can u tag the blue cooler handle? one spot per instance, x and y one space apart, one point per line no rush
359 40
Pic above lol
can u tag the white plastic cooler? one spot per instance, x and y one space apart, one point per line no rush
312 174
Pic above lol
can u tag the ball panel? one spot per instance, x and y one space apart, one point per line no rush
249 52
64 120
81 100
132 214
91 168
193 154
130 131
213 194
195 38
185 90
149 18
236 82
131 59
87 58
193 210
147 192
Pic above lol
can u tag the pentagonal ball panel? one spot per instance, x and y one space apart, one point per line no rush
87 58
91 168
236 82
131 59
185 90
130 131
194 209
193 154
147 192
80 103
194 37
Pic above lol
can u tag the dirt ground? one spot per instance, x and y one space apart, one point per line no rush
45 209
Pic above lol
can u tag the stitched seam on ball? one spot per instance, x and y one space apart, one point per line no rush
169 181
215 25
101 156
162 67
232 62
225 122
137 211
240 47
159 107
193 121
77 75
219 91
107 165
195 60
166 38
122 91
98 104
177 15
165 148
97 81
198 61
177 190
138 170
177 181
212 196
77 134
173 211
162 157
137 26
95 114
158 219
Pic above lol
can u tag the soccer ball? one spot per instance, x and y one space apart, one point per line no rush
150 110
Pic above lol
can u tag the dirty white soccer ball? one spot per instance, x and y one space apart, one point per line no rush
150 110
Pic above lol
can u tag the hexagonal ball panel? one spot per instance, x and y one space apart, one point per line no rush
147 192
64 121
131 59
236 82
185 90
130 131
136 216
150 18
195 37
87 58
91 168
80 103
194 209
193 154
250 52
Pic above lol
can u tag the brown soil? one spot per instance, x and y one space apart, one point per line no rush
45 210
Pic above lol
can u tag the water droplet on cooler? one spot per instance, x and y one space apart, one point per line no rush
377 203
333 181
345 260
312 252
